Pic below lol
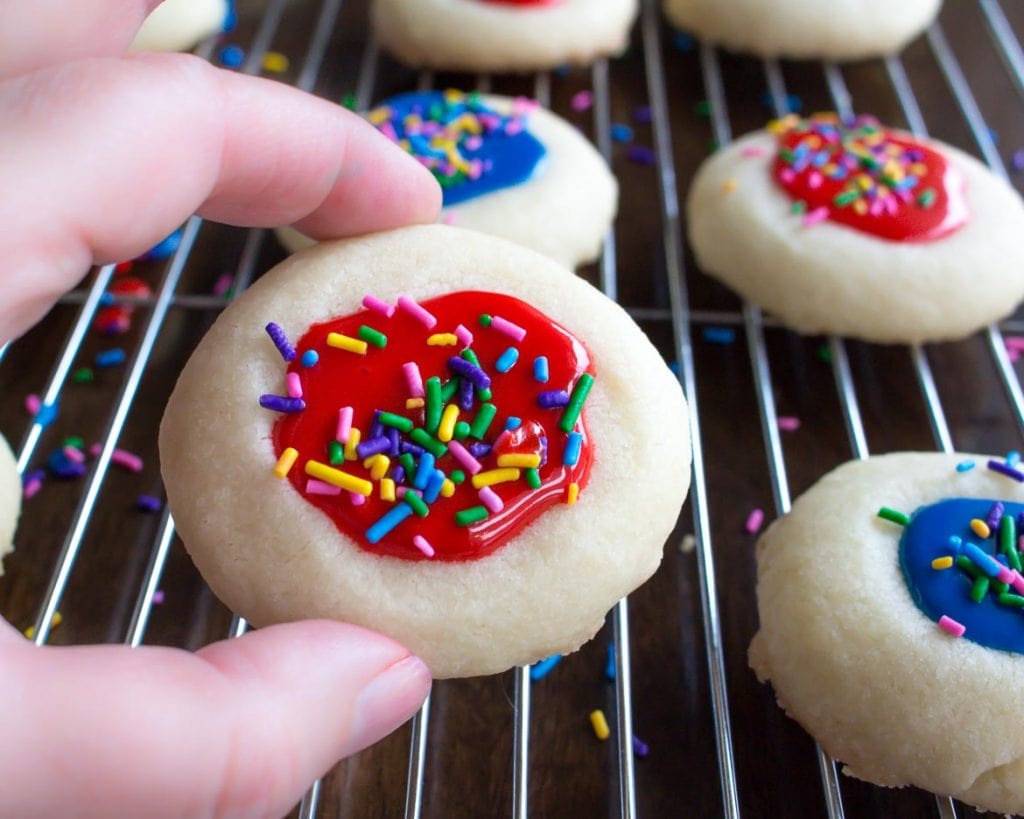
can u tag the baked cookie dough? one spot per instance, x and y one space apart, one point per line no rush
516 523
502 35
862 590
178 25
507 167
10 500
859 230
825 29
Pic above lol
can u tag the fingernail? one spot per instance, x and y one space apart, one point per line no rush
389 700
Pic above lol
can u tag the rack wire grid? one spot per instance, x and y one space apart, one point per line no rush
672 661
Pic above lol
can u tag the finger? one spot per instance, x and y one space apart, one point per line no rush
241 729
103 158
44 32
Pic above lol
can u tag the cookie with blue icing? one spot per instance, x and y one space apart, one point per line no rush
506 167
891 603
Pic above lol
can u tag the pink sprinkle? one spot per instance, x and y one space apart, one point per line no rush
752 152
450 218
344 424
951 626
1017 582
489 498
424 317
813 217
96 449
814 180
74 454
514 127
464 336
294 385
1005 575
222 285
1014 342
754 521
582 101
788 423
131 462
508 328
876 207
32 404
1013 355
315 487
501 439
158 597
423 545
356 498
31 487
474 143
463 456
378 306
413 379
787 175
388 130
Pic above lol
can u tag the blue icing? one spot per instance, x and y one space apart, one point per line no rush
471 149
938 592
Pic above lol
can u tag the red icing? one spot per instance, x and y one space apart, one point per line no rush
897 187
376 381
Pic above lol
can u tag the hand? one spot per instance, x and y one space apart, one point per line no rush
102 156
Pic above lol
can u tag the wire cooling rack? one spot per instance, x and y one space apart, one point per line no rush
487 747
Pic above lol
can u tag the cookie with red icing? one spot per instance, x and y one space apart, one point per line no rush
502 35
858 229
432 433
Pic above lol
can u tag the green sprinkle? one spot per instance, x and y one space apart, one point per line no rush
787 156
467 517
702 109
998 587
83 375
484 395
350 101
966 565
457 476
461 431
484 416
74 441
433 411
979 589
390 419
448 390
713 145
408 463
1008 541
575 405
485 320
428 442
927 198
892 515
335 453
798 207
533 478
1013 600
470 356
416 502
371 336
824 353
845 198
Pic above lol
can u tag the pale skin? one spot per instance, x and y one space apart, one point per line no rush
103 155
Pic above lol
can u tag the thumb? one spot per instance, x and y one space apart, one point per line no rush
239 729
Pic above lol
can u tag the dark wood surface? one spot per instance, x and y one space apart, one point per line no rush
468 771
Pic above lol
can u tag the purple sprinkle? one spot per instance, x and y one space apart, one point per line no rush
553 398
1008 471
147 503
279 403
642 114
995 514
398 474
158 597
640 747
466 394
284 346
376 428
68 470
1017 160
460 366
394 441
40 474
413 449
374 446
543 449
479 450
641 155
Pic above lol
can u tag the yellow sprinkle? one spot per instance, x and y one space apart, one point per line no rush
524 461
378 115
286 462
353 441
447 488
919 169
387 489
571 493
493 476
860 207
599 724
942 562
413 403
335 477
980 528
443 340
379 466
446 429
779 126
275 62
55 621
352 345
729 185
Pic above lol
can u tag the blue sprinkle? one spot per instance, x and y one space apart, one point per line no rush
572 449
309 358
434 486
148 503
981 559
164 249
621 132
231 17
719 335
110 358
507 360
107 299
1013 457
674 367
794 104
609 666
60 466
424 471
683 41
231 56
993 135
563 70
540 369
538 671
955 543
388 522
965 466
47 415
513 422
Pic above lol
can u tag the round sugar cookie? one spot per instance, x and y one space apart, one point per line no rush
471 472
502 35
805 29
10 500
178 25
860 607
515 171
859 230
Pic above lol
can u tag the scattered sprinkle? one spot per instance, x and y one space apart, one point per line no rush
641 155
788 423
581 101
599 724
948 624
275 63
640 747
620 132
148 503
719 335
110 358
55 621
965 466
893 516
754 521
231 56
538 671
